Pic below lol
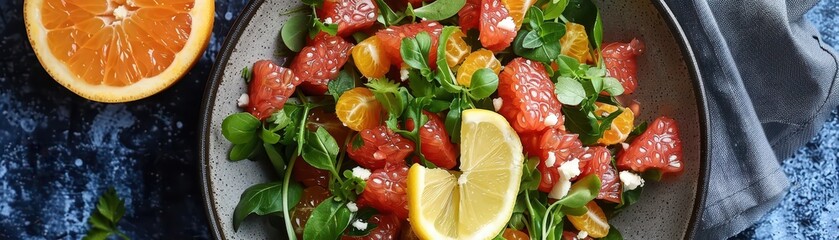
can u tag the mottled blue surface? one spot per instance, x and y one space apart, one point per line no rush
58 152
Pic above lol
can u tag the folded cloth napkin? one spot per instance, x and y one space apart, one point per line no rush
770 83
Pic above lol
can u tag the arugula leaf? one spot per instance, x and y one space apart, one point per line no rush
439 10
517 220
106 216
388 94
296 116
386 15
240 128
349 189
531 40
453 119
484 83
419 87
263 199
343 83
246 74
444 73
275 157
413 55
569 91
328 221
294 32
320 150
581 192
612 86
554 8
530 177
318 26
613 234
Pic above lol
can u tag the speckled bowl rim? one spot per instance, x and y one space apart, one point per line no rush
241 23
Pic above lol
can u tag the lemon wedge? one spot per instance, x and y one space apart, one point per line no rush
477 202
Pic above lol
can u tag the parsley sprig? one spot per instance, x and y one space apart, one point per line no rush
105 218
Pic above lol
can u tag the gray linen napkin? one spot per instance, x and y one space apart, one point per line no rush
770 83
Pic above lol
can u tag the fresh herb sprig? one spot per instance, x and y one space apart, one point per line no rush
105 217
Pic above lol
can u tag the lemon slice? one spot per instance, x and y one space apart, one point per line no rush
477 202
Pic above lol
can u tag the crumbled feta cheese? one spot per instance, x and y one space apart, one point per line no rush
570 169
567 171
352 207
507 24
497 103
361 172
360 225
243 100
327 20
403 74
631 180
462 179
551 120
551 159
624 145
582 235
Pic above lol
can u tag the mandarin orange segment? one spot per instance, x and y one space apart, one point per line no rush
518 8
358 109
370 58
594 221
102 49
621 125
575 42
476 60
456 48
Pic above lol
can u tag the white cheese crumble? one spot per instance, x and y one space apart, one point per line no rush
243 100
551 159
624 145
582 235
507 24
403 74
551 120
358 224
567 171
497 103
352 207
631 180
361 172
327 20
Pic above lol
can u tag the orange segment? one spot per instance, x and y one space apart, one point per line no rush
370 58
118 50
621 125
476 60
518 8
594 221
358 109
575 42
456 48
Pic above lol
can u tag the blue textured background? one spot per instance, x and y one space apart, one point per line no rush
58 152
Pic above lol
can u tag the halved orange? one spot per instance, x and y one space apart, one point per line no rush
118 50
456 48
370 58
575 42
358 109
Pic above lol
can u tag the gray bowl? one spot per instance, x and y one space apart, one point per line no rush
669 79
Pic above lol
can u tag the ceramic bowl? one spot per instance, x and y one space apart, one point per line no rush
669 85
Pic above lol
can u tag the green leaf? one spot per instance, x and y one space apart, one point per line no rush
575 211
424 42
246 74
444 73
343 83
103 220
534 18
264 198
612 86
240 128
530 177
582 192
531 40
412 54
328 221
613 234
568 66
554 8
569 91
484 83
597 32
278 120
110 206
269 136
595 72
453 119
320 150
584 12
437 106
579 122
318 26
295 30
348 189
386 15
545 53
439 10
419 86
295 114
387 93
243 151
652 174
275 157
312 2
552 32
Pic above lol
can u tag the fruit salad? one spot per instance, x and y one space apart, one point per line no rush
448 119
